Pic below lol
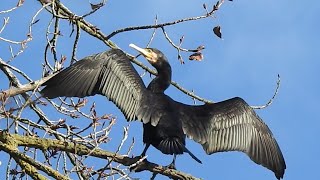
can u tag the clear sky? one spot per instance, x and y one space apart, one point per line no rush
260 40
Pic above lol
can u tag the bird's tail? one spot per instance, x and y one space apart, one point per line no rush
174 146
192 155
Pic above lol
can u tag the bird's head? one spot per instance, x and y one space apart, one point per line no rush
154 56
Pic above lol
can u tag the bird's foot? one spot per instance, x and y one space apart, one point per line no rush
138 162
171 166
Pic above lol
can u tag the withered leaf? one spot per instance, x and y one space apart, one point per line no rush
180 59
81 103
94 113
204 6
201 47
74 115
36 21
106 116
217 31
20 3
216 6
198 56
73 127
96 6
181 39
63 59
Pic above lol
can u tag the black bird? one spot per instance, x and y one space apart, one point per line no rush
230 125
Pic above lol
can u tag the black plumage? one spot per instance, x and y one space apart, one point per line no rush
230 125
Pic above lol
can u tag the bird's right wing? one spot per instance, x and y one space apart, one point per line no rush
232 125
109 73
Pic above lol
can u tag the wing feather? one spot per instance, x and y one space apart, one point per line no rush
109 73
232 125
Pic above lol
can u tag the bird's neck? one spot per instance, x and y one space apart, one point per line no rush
162 81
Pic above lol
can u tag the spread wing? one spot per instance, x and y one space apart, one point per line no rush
109 73
232 125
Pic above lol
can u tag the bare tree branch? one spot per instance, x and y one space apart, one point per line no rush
10 146
82 150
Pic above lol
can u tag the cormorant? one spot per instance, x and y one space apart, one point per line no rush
230 125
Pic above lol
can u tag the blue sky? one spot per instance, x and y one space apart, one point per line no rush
260 40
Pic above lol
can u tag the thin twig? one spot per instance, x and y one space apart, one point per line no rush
9 10
154 32
172 43
2 63
135 28
272 98
74 50
96 7
5 22
51 44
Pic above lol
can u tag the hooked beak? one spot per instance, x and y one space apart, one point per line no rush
149 55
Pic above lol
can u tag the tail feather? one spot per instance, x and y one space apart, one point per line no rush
174 146
170 146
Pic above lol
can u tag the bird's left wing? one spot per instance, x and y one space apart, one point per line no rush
108 73
232 125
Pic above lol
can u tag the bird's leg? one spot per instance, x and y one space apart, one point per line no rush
172 165
136 166
143 154
145 150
